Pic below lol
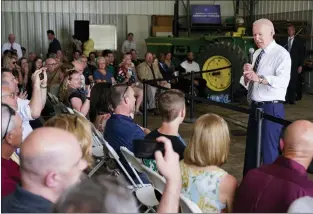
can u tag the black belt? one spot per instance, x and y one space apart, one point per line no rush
267 102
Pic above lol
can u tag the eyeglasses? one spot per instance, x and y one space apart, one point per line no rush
12 113
9 95
54 64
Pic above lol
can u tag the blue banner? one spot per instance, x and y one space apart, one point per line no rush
206 14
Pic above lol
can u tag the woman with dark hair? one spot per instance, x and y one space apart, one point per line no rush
100 107
36 65
92 61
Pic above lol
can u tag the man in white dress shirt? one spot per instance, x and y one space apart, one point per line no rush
12 45
267 80
129 44
27 109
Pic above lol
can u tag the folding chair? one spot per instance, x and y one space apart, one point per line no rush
188 206
156 179
77 112
159 182
98 153
145 194
70 110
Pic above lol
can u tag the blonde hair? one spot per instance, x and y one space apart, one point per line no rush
6 62
63 68
63 91
209 142
78 126
100 58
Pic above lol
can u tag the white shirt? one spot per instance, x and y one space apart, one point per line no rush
25 113
275 66
292 39
128 45
190 66
16 46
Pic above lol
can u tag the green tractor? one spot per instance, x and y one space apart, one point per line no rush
213 51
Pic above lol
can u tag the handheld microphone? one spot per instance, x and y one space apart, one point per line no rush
251 51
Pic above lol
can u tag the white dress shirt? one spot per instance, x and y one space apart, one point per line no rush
190 66
128 45
275 66
25 112
16 46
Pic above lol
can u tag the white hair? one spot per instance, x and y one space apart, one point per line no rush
266 22
5 124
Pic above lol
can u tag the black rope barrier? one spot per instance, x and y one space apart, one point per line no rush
187 74
260 115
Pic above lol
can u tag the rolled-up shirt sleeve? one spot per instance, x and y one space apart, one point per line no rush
24 109
282 73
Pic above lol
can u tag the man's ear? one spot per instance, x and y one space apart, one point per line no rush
9 138
281 144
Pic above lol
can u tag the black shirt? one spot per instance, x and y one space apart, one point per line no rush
22 201
178 145
87 72
79 93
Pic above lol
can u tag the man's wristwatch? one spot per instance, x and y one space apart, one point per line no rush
261 78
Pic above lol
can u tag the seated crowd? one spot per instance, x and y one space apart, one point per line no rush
44 165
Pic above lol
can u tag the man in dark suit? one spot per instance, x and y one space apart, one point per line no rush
54 45
295 46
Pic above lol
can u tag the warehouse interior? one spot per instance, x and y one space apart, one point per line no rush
219 36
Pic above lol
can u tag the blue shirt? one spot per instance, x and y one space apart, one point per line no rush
121 130
98 76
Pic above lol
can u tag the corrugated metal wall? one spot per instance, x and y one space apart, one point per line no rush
290 10
279 6
29 20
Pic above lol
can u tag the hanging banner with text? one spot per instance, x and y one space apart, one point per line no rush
206 14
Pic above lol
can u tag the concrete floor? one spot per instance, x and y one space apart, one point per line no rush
237 123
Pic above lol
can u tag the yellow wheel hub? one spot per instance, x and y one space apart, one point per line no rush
217 80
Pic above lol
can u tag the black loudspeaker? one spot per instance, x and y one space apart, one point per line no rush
81 30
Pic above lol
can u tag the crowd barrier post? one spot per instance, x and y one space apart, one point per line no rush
145 94
259 119
191 118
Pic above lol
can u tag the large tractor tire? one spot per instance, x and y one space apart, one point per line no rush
219 55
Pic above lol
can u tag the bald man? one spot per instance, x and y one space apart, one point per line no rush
266 79
12 45
272 188
49 165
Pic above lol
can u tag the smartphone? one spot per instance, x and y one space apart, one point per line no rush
145 148
41 76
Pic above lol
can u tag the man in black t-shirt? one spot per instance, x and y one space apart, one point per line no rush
171 104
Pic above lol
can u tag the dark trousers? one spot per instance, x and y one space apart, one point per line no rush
271 133
291 94
300 86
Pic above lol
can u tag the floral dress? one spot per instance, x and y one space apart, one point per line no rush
121 75
202 187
